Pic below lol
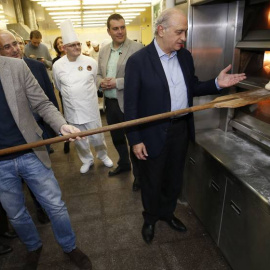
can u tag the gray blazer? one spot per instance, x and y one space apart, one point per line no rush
23 93
129 47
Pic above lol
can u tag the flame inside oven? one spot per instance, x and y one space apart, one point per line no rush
266 62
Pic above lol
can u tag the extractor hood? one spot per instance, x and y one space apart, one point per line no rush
21 29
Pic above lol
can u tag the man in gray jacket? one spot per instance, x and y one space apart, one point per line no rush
110 78
20 94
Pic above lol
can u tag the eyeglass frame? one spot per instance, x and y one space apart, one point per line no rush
73 46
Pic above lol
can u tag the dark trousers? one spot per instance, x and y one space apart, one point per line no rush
162 176
114 115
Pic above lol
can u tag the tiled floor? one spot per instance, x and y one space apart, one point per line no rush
106 217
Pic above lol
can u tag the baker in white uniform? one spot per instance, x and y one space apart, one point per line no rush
75 77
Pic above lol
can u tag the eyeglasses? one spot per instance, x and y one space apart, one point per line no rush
74 45
7 47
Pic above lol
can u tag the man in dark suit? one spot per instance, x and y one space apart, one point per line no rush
161 78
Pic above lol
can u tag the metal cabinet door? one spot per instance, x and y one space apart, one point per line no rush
205 187
245 231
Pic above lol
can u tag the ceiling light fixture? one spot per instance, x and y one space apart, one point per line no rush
99 2
66 17
62 8
65 13
134 6
59 3
98 12
130 10
98 7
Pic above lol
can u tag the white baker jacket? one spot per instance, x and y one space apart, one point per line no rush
77 83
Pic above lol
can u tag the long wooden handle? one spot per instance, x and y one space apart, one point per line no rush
228 101
104 129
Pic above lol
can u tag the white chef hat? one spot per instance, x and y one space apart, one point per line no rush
95 43
67 32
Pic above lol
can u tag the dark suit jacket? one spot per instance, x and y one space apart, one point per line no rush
40 73
147 93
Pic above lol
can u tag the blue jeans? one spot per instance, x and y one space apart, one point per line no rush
43 184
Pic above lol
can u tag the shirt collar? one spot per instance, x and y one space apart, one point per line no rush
118 49
161 53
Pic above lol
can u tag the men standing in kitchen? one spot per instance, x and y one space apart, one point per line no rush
110 78
161 78
75 77
37 50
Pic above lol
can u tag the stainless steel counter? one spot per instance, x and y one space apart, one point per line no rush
247 161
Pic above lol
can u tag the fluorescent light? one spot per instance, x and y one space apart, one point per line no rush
94 19
100 2
94 25
73 20
66 17
97 7
59 3
130 14
89 22
62 8
98 15
130 10
65 13
136 1
134 6
98 11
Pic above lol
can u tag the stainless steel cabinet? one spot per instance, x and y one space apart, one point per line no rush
205 188
245 230
234 214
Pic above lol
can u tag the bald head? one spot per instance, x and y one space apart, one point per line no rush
171 29
165 18
9 46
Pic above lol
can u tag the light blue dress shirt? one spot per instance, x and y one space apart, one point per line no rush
112 69
175 79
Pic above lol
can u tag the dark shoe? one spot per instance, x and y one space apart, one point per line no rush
80 259
32 259
9 234
4 249
42 216
136 185
119 170
66 147
148 232
176 224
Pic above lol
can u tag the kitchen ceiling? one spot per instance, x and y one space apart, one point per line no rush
93 13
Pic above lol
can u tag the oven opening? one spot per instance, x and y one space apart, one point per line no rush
254 60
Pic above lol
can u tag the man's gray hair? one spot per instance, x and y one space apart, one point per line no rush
163 18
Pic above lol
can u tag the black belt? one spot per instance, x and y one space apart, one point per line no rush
175 120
